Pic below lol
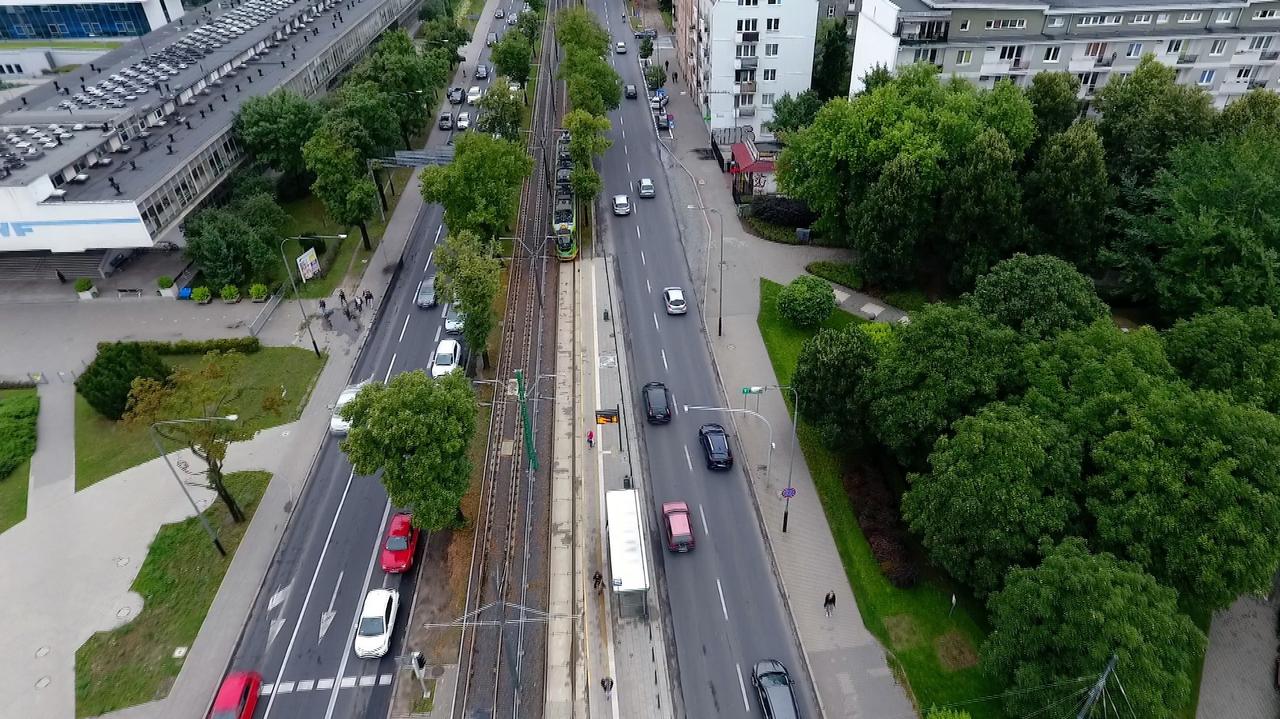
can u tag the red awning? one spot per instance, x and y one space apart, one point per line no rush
745 161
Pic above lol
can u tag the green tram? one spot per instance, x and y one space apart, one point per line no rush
564 214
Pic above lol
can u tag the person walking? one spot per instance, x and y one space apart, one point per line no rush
368 298
342 296
829 603
607 685
597 581
591 439
359 304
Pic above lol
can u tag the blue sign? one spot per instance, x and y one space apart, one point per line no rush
789 492
24 228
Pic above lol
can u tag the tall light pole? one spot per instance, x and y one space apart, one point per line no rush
762 418
791 457
720 286
296 296
155 437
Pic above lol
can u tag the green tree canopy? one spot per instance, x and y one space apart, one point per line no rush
1005 481
591 82
831 382
416 430
106 382
1039 296
470 274
576 27
981 202
832 61
793 113
1258 109
503 112
480 189
273 128
1068 194
1055 102
236 244
512 56
1054 627
363 109
1229 350
408 78
341 182
530 25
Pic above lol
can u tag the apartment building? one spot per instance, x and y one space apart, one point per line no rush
740 56
1227 48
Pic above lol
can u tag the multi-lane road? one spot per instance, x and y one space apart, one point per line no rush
725 607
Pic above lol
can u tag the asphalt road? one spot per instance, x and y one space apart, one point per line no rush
725 606
300 632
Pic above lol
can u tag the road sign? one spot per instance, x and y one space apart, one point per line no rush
789 492
753 390
606 416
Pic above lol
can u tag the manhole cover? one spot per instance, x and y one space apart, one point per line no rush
122 561
41 652
124 612
43 682
179 652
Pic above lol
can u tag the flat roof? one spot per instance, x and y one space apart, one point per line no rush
925 6
627 569
184 128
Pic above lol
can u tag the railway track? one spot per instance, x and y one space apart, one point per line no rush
508 554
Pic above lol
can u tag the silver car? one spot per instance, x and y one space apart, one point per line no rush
426 297
338 426
673 300
454 322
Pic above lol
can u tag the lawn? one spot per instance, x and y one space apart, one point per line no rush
842 273
934 651
104 448
13 488
102 45
178 580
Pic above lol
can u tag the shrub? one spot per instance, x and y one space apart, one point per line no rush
230 293
876 509
258 291
785 211
106 381
807 302
17 431
243 345
646 48
307 243
841 273
164 282
201 294
83 284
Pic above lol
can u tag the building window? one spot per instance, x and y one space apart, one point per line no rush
1174 47
744 100
770 74
747 25
749 3
1206 76
1266 14
779 2
1101 20
1162 18
964 25
1244 73
746 50
17 69
1224 17
1190 17
1095 49
1007 24
766 99
770 50
1135 50
1056 22
1141 19
773 24
1260 42
831 10
964 57
1010 52
1218 47
925 54
1051 53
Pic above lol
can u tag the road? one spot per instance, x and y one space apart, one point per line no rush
725 607
300 632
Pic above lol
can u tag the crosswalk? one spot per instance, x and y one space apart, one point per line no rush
306 685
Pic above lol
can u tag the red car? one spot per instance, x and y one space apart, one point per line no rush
238 696
679 529
402 542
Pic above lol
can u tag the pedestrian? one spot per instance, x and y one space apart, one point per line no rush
597 581
829 603
607 685
368 298
342 297
591 439
675 76
322 305
61 277
359 304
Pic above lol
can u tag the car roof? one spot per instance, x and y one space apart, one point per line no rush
232 687
711 427
375 604
668 507
645 181
619 198
447 346
674 291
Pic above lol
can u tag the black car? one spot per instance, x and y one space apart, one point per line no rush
457 95
631 92
647 32
657 403
773 684
716 445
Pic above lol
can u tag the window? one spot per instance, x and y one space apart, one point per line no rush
746 25
1175 47
1051 53
1206 76
770 74
1095 49
1143 18
1007 24
773 24
1190 17
1266 14
831 10
1056 22
964 25
1218 47
1101 20
1260 43
766 98
1162 18
770 50
1135 50
1244 73
1224 17
746 50
17 69
779 2
1010 52
964 57
929 55
748 3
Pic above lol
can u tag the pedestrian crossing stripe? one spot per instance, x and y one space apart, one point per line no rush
306 685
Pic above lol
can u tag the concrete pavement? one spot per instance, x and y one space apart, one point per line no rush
1239 664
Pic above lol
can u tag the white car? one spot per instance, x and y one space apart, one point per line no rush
673 299
454 322
474 94
448 358
620 48
337 425
646 187
621 205
377 620
464 121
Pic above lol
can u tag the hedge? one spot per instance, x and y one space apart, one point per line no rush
246 345
17 431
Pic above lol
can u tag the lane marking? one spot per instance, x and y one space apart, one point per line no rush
402 329
638 235
664 361
326 683
642 260
368 680
436 241
284 688
327 617
628 167
427 267
305 685
390 364
688 460
674 405
655 322
437 339
625 150
743 685
723 608
348 682
384 680
705 531
648 286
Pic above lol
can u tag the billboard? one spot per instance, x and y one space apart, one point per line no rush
308 264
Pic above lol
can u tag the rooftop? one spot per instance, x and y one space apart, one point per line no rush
1059 5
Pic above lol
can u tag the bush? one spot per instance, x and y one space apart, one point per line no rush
105 383
258 291
17 431
201 294
907 300
807 302
230 293
841 273
243 345
317 243
164 282
785 211
646 48
876 508
83 284
655 77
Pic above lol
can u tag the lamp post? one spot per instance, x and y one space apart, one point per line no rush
155 437
791 457
294 285
769 456
720 285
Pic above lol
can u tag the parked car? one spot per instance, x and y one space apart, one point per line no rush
446 121
631 92
490 39
645 187
456 95
514 87
679 528
657 403
401 544
621 205
426 296
377 621
337 425
715 443
454 322
673 300
647 32
474 94
237 698
448 357
512 19
662 120
464 121
774 685
482 72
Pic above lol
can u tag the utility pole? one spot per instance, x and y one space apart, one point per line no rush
1096 692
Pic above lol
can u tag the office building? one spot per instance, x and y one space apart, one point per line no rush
86 19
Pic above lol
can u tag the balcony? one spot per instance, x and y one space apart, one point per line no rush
752 36
1105 60
747 111
744 87
1019 65
1188 59
1270 55
1257 84
745 63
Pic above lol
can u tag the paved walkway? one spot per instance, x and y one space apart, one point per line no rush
1239 666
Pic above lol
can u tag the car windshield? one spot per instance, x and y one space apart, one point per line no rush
677 300
398 544
371 626
773 679
443 358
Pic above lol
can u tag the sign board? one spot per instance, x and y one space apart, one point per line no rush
308 264
789 492
606 416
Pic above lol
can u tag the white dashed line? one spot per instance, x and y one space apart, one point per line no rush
688 460
323 684
390 364
723 609
648 286
348 682
743 685
427 266
305 685
705 532
642 260
384 680
655 322
437 339
436 241
664 361
638 233
284 688
368 680
402 329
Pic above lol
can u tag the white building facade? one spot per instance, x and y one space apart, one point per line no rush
1228 48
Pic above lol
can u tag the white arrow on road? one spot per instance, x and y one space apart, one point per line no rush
274 629
276 600
327 618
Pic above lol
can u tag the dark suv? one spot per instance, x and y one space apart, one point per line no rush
657 403
716 445
773 684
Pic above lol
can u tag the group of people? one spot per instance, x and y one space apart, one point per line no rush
356 306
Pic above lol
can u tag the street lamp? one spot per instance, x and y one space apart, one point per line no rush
720 286
155 437
293 284
769 457
791 457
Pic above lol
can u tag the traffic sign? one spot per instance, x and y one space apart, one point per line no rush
789 492
606 416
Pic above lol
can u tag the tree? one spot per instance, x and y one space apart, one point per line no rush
1230 350
512 57
1145 116
1068 194
878 76
586 182
1039 296
646 48
503 112
832 61
341 183
106 382
530 25
1004 482
655 77
807 301
831 378
273 128
982 206
416 430
362 109
1189 488
947 363
592 83
19 415
1258 108
1063 620
793 113
444 37
577 28
897 213
435 9
480 189
214 388
470 274
227 249
936 713
408 78
1055 102
588 136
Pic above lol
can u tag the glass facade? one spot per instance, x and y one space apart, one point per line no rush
29 22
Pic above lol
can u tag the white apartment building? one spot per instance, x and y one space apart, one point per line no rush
742 55
1227 48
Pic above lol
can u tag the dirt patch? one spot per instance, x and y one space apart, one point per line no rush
903 632
955 651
